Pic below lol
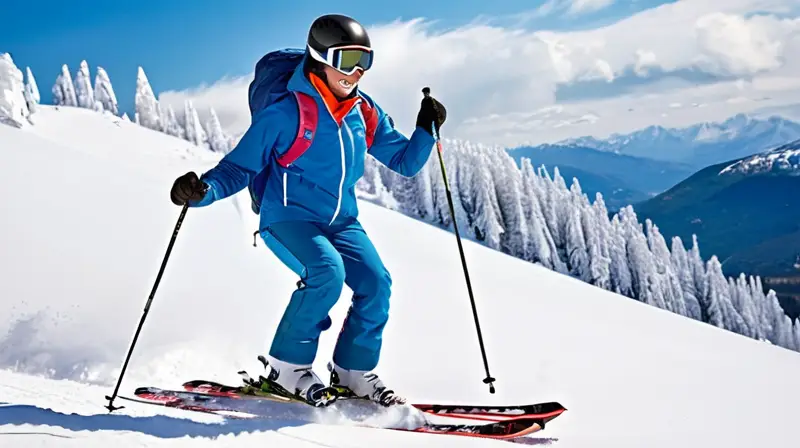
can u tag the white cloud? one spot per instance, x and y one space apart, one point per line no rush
584 6
571 7
500 84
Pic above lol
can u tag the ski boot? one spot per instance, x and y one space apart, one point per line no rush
359 384
293 381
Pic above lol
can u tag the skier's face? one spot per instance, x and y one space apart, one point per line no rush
341 84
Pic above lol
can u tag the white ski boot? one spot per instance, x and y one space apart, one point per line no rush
296 381
362 384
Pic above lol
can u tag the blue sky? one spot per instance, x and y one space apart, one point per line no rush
189 43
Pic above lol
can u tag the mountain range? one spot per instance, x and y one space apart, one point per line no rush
632 168
699 145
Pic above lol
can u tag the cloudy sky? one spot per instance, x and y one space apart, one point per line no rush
522 72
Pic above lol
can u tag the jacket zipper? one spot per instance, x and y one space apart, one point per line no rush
341 181
344 167
284 188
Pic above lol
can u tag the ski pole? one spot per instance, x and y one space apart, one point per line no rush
488 380
111 398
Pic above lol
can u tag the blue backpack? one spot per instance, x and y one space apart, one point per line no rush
269 85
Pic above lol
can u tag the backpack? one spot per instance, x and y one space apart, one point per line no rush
272 74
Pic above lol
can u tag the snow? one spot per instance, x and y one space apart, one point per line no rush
783 159
87 218
13 104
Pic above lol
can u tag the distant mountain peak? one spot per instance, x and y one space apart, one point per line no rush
783 159
700 144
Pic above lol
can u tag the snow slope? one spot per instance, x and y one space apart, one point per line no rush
86 221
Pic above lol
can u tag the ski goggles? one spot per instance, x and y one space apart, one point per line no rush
345 59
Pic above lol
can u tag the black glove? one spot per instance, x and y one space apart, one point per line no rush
431 111
187 188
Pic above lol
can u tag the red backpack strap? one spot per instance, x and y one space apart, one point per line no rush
307 126
370 120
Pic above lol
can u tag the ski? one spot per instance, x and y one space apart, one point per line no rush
245 407
545 411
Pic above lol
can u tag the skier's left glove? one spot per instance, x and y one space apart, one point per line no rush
187 188
431 111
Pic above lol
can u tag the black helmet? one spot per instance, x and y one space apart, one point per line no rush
340 42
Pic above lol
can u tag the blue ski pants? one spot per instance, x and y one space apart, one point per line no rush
326 258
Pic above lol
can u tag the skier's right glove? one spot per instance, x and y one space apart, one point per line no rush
188 188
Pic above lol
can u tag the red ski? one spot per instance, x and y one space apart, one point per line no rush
496 422
545 411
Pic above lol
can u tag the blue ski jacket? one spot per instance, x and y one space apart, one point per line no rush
320 185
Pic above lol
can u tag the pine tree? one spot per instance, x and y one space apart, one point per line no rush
721 310
83 87
743 303
578 257
698 271
621 266
507 180
13 104
217 140
441 208
680 263
104 92
424 190
599 263
673 292
485 220
32 95
541 247
147 113
194 130
169 122
64 90
646 286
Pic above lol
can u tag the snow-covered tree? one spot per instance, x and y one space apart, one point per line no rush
83 87
671 285
32 95
147 113
621 271
485 218
540 246
194 130
577 254
217 140
722 313
64 89
169 121
13 106
646 284
680 262
743 303
104 92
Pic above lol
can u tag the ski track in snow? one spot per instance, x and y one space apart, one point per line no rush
86 221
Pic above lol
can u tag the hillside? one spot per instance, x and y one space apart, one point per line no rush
738 206
622 179
701 144
747 211
94 221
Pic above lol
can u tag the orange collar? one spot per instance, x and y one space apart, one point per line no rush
338 108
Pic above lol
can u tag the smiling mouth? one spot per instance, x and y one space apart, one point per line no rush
345 83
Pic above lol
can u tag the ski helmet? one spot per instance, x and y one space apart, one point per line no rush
341 43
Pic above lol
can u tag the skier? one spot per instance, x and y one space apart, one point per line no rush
309 215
